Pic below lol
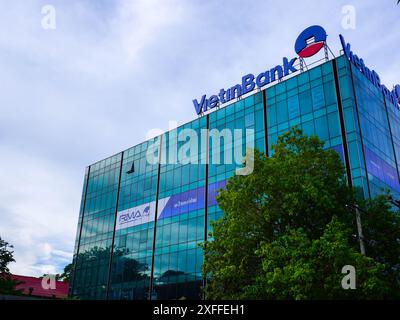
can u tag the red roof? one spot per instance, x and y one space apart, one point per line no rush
33 286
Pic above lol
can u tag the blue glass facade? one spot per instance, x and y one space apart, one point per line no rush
140 223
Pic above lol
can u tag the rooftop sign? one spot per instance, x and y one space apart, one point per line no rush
309 42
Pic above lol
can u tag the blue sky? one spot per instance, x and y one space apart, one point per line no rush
113 70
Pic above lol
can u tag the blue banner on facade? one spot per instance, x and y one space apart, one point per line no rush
190 200
183 202
169 206
380 169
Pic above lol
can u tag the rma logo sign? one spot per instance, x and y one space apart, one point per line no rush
134 215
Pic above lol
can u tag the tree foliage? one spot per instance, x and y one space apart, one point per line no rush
7 284
286 231
66 275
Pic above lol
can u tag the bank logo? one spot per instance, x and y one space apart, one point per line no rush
310 41
134 215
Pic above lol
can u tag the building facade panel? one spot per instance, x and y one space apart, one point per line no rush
133 242
180 220
92 259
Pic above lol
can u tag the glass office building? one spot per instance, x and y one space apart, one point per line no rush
140 224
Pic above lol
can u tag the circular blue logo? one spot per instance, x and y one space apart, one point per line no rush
310 41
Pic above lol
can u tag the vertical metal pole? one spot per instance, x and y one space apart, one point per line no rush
152 293
346 153
359 228
326 52
205 235
265 112
114 231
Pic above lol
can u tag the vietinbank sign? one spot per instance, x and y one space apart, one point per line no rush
393 96
249 82
309 42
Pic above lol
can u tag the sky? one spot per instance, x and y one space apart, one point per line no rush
111 71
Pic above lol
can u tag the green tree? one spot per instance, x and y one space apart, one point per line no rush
286 231
297 267
66 275
7 284
381 229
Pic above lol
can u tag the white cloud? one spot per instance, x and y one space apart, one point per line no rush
138 24
39 206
